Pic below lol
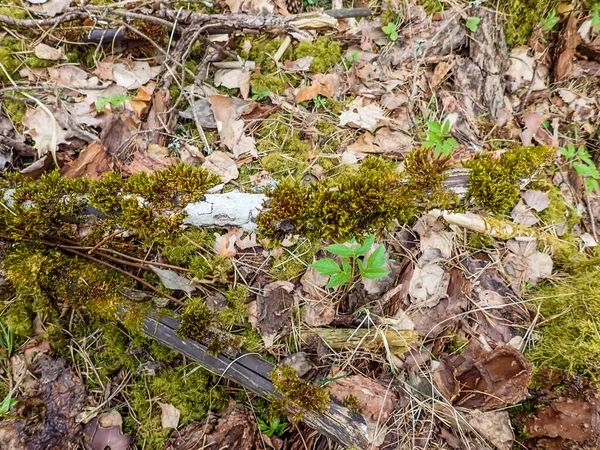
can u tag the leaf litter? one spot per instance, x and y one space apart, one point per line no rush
449 319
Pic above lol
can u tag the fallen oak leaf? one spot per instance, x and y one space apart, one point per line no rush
92 162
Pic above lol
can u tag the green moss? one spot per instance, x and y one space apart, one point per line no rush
13 11
431 6
16 109
293 263
480 241
295 391
325 51
493 184
522 17
188 245
262 50
352 403
569 339
34 62
350 204
9 46
270 83
195 319
218 267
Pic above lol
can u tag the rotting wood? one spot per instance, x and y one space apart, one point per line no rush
397 341
251 371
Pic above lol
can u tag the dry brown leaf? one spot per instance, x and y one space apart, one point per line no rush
299 65
169 416
141 162
231 126
359 116
92 162
104 70
104 432
307 93
43 129
234 79
52 7
134 75
221 164
224 245
48 53
375 401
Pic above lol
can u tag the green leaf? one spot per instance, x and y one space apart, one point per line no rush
364 248
596 17
428 144
389 28
340 250
336 280
550 22
345 265
377 258
326 266
473 23
394 36
591 185
445 127
435 127
373 274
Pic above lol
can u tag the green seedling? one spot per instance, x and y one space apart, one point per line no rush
438 138
391 31
582 162
275 428
260 94
473 23
319 101
370 267
352 57
7 342
6 405
550 22
596 17
115 101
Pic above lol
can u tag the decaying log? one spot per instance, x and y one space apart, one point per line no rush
251 371
397 341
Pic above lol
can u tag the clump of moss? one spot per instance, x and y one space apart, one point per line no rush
352 403
294 261
523 16
493 183
195 319
325 51
351 204
295 391
266 83
186 247
235 312
262 50
8 46
426 170
569 340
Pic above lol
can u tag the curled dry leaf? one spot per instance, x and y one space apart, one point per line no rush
93 162
231 126
172 280
44 130
104 432
48 53
169 416
234 79
134 75
221 164
359 116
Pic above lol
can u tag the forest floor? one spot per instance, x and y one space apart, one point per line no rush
398 200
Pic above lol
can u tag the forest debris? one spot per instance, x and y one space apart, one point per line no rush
494 426
134 75
223 210
232 79
487 381
61 396
525 264
105 431
169 415
172 280
299 362
52 7
93 162
318 313
231 126
429 281
45 130
525 70
522 215
358 116
397 341
234 429
567 44
370 398
221 164
433 235
274 311
48 53
567 418
204 114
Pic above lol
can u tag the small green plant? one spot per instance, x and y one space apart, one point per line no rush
319 101
473 23
370 267
391 31
260 94
115 101
596 17
439 139
352 57
275 428
7 341
582 162
6 405
550 21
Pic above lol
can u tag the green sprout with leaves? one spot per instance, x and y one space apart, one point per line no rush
438 138
391 30
596 17
352 57
319 101
260 94
7 404
473 23
115 101
275 428
370 267
581 160
550 22
7 342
